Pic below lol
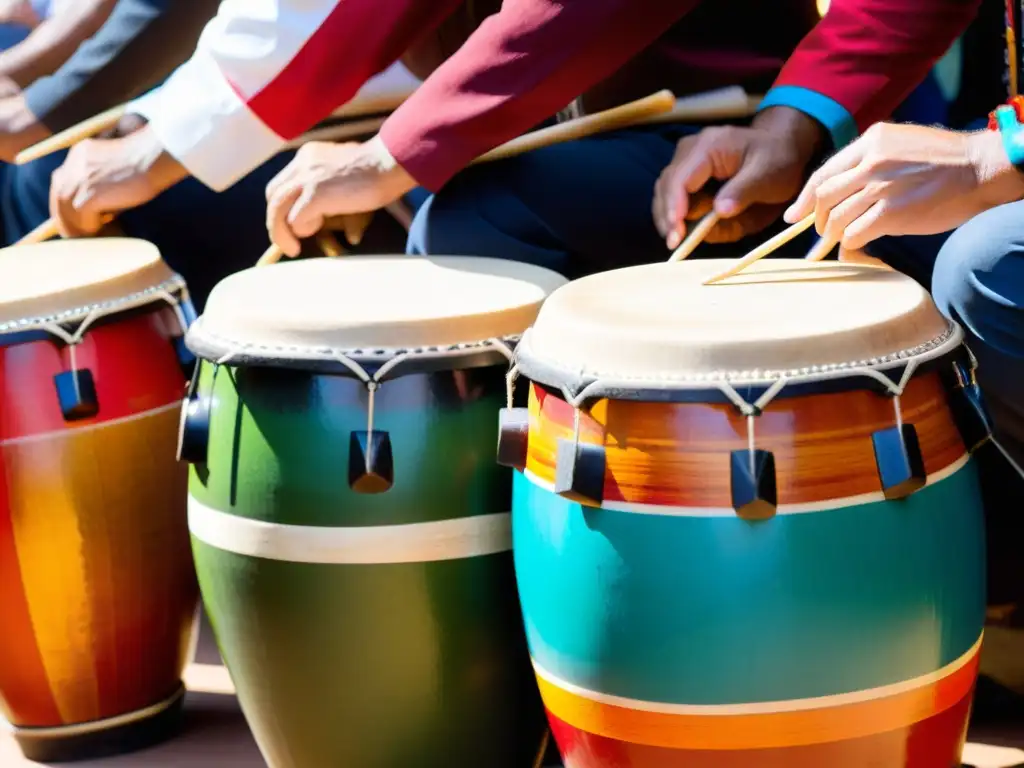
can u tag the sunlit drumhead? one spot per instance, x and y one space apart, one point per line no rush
782 317
53 279
374 302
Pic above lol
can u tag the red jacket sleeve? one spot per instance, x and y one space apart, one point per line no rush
520 67
865 57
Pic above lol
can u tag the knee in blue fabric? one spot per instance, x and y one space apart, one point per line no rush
978 278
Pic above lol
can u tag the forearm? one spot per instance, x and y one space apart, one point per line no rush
259 79
139 45
865 57
520 67
54 41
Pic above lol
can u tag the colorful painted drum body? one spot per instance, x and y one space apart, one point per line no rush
97 590
748 531
351 532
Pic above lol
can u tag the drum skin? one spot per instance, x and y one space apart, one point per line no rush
667 632
97 589
377 655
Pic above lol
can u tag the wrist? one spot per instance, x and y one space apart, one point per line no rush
162 170
998 180
395 180
806 134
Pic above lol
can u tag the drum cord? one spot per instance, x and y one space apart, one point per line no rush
74 339
978 408
373 382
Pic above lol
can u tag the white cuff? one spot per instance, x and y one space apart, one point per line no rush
206 126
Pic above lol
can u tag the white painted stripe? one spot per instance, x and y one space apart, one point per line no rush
74 431
764 707
783 509
413 543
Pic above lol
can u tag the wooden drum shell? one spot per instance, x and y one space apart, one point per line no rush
363 648
97 589
666 631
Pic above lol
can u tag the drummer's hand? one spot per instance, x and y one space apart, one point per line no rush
102 177
907 180
19 128
330 180
762 166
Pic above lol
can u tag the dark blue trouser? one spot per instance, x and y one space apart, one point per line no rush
585 207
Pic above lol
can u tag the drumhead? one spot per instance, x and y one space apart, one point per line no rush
659 326
68 279
367 306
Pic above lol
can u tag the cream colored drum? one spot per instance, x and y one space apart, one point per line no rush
97 588
747 527
350 528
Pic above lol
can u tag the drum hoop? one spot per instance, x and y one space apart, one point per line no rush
162 291
329 360
582 386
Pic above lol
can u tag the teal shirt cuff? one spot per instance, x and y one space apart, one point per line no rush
830 113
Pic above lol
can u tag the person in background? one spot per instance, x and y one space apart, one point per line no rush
136 46
37 37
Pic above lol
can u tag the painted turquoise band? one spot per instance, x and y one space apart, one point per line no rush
718 610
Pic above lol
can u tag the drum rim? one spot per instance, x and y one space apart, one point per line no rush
585 386
173 287
327 360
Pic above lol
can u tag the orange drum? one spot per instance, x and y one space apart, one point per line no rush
97 589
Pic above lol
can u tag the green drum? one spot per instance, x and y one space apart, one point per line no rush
350 529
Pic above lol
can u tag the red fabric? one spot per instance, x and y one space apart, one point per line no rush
868 55
520 67
362 39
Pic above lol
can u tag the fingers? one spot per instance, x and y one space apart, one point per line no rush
838 196
77 207
842 161
676 182
279 230
867 227
306 216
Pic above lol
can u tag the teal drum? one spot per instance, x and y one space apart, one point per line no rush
350 529
747 526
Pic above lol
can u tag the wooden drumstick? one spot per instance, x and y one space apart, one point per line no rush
599 122
765 249
821 249
355 226
695 238
327 242
45 231
72 135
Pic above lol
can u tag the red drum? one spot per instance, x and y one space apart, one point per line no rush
97 589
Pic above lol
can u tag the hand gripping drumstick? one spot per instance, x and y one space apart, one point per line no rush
765 249
609 120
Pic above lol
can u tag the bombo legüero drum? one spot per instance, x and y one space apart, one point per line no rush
747 527
350 527
97 589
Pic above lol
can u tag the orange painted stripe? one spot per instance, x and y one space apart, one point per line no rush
25 697
107 571
678 454
792 723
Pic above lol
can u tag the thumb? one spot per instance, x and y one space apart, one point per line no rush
743 190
